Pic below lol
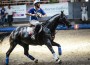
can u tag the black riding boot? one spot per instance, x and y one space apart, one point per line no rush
36 31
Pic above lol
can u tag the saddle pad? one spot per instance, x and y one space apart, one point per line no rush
30 30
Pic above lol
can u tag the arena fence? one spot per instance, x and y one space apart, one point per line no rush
59 27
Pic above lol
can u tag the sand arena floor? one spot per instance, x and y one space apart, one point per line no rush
75 50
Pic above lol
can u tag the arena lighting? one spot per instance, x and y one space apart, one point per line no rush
76 26
86 0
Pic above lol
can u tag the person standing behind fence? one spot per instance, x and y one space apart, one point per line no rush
0 13
10 14
3 15
84 11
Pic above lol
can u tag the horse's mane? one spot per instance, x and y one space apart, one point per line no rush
52 17
47 21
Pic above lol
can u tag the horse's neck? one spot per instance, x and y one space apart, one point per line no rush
52 23
52 26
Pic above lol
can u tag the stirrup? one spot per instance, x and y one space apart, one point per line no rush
33 36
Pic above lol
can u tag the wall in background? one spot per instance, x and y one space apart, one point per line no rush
74 12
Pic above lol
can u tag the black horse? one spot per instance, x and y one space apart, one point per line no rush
45 37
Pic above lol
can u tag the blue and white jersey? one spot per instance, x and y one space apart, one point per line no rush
2 11
34 11
84 9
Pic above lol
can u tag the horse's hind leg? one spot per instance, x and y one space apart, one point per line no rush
59 47
26 49
49 45
12 46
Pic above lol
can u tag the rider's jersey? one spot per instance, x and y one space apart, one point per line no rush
34 11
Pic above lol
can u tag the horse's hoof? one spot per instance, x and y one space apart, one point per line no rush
60 62
36 61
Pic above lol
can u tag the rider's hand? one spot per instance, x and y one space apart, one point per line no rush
27 13
33 14
39 14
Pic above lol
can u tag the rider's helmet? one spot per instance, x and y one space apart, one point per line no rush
36 2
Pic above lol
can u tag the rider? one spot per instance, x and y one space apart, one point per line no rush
3 14
35 13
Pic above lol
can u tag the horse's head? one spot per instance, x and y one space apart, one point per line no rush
63 20
56 20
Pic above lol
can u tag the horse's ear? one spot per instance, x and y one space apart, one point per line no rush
61 12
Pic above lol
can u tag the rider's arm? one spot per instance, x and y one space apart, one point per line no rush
43 13
30 12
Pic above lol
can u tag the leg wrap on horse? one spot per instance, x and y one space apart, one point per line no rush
59 51
7 60
31 57
55 56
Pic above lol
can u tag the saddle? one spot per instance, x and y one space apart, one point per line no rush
31 31
24 31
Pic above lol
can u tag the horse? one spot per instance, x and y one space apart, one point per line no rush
45 37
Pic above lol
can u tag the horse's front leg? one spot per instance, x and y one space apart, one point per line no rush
26 53
49 45
59 47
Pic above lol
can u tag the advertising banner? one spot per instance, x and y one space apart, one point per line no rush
56 8
20 11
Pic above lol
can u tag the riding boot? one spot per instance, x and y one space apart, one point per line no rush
36 31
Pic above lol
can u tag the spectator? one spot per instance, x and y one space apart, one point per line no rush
84 11
3 15
0 18
0 15
10 14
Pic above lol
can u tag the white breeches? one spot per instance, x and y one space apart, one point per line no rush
84 17
34 22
